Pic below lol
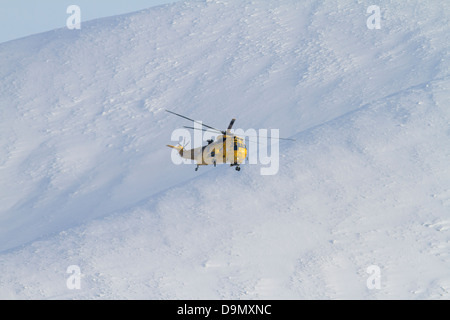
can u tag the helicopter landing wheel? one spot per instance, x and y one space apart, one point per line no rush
238 168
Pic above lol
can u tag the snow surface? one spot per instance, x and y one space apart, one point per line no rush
86 178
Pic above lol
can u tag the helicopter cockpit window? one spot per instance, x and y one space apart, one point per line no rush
238 145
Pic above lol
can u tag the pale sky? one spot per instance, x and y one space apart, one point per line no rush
21 18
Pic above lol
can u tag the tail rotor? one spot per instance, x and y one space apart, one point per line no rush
180 147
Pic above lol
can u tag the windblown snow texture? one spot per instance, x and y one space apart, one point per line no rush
86 178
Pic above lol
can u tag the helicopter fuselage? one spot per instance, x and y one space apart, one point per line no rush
227 149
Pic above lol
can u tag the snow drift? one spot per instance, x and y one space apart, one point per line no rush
86 178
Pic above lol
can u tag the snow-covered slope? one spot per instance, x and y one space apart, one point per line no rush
86 178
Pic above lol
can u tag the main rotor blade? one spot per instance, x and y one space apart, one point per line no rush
287 139
205 130
201 123
231 124
220 131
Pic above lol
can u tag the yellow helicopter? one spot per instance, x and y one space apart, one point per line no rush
228 148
